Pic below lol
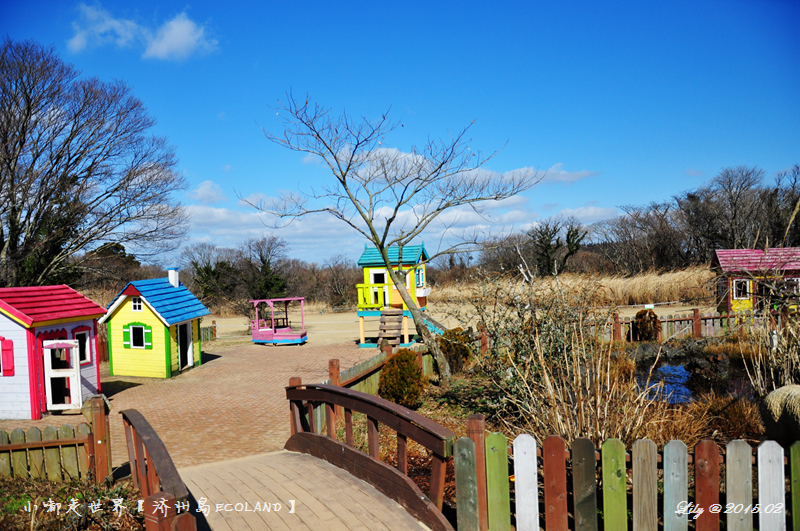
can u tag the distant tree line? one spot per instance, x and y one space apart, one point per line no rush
739 208
260 269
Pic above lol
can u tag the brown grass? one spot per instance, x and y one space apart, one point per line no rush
688 285
722 418
734 347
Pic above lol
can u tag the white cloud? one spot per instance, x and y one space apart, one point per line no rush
694 173
176 39
557 174
207 192
97 27
589 214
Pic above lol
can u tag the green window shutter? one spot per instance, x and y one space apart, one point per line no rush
126 336
148 337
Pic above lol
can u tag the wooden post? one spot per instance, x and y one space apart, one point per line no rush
336 379
159 511
213 329
294 412
373 443
476 430
100 437
438 470
387 348
696 329
361 328
617 330
405 329
484 343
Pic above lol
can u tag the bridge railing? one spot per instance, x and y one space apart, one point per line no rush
155 475
407 424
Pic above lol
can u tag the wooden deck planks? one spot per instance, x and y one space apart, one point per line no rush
326 497
324 502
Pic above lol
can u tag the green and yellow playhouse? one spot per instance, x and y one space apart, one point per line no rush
154 328
378 292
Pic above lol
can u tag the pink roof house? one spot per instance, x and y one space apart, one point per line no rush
48 336
745 275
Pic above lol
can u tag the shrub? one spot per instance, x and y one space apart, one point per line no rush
455 346
401 379
548 369
646 326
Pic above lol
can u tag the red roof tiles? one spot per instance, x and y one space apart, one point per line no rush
38 304
756 260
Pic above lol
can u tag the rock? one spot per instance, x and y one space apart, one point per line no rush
780 412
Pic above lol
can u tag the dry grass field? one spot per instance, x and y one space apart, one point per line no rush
692 286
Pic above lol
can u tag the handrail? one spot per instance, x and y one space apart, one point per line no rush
158 472
304 399
426 432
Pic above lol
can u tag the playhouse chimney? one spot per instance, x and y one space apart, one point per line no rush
173 277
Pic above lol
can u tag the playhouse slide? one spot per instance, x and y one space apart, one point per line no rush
433 325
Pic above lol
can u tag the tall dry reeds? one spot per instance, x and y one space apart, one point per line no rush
690 285
551 374
774 355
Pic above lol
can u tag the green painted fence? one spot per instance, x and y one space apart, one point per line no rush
586 488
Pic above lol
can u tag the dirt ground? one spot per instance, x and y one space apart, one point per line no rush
324 328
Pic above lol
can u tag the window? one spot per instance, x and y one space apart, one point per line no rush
7 357
136 304
379 277
84 344
741 289
137 335
793 285
420 278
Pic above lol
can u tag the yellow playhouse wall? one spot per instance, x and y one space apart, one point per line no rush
741 305
134 361
394 295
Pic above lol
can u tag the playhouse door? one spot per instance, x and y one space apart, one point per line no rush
185 345
62 374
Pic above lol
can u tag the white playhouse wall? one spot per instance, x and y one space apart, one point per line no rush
15 399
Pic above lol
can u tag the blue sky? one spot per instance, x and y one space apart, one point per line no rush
621 102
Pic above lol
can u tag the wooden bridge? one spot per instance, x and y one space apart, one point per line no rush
317 482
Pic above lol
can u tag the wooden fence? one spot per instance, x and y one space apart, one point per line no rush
208 333
557 489
60 454
365 376
693 324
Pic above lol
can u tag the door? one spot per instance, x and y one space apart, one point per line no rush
62 374
185 345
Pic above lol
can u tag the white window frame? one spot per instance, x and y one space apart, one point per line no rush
796 282
144 339
378 272
136 304
736 292
86 355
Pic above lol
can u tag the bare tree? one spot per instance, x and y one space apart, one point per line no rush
388 196
77 168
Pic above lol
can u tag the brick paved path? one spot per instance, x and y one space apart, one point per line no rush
233 405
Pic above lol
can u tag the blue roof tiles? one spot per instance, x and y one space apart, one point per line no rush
175 305
412 254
